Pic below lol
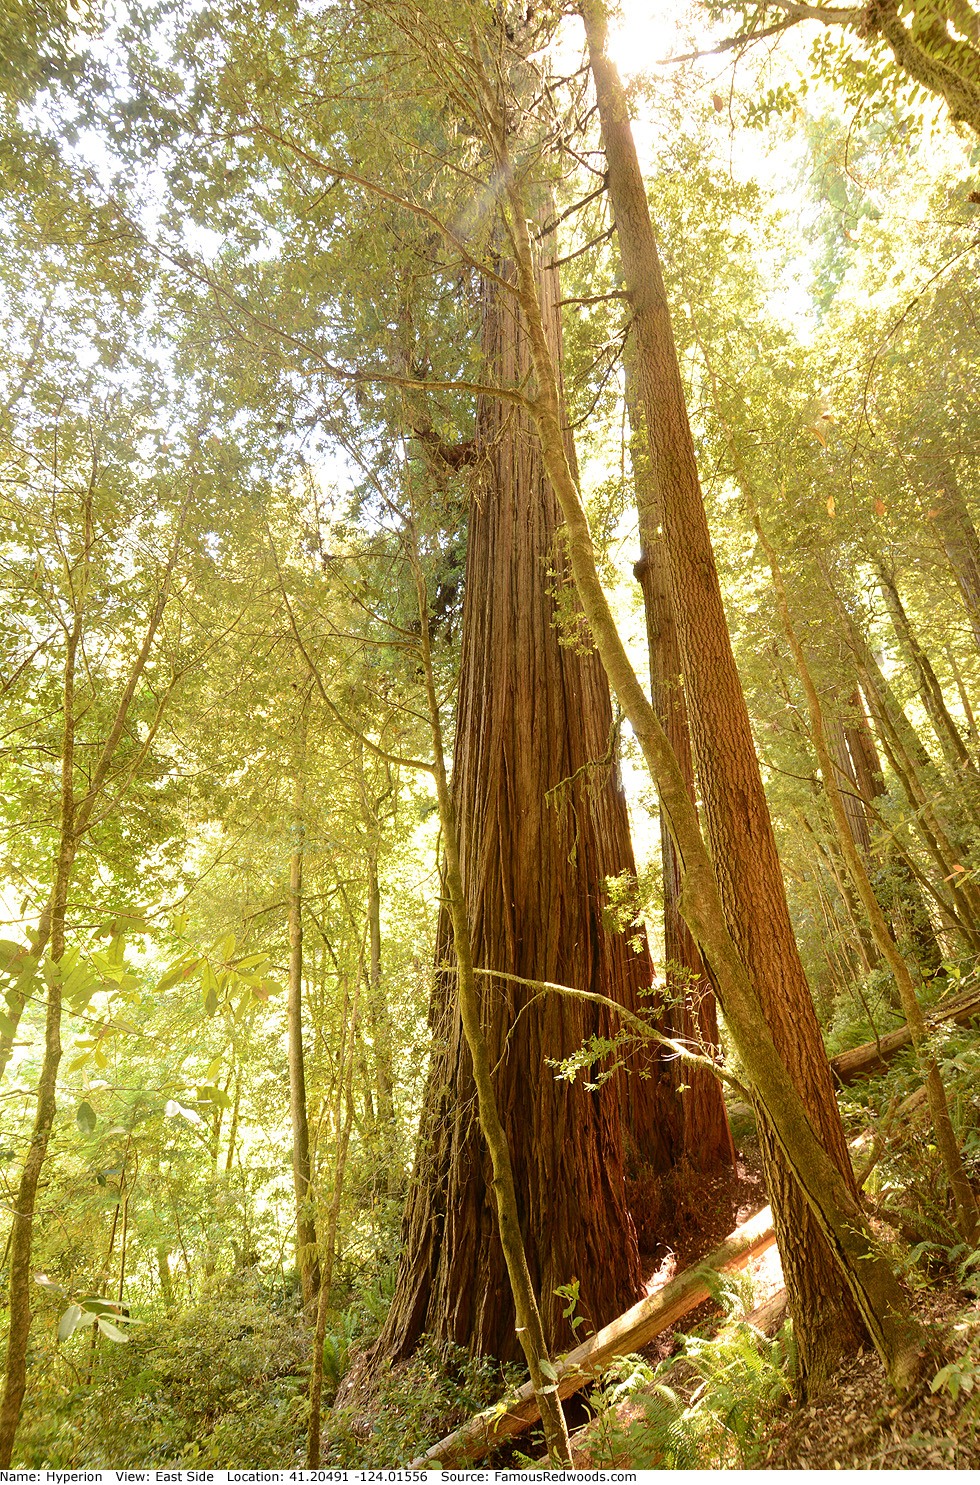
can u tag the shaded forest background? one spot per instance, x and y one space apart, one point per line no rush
289 602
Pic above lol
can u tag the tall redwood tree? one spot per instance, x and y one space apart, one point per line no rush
738 827
542 822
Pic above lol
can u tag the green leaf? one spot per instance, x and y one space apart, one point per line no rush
252 961
175 973
547 1370
11 953
209 1094
69 1322
7 1027
227 947
97 1305
209 989
85 1117
111 1332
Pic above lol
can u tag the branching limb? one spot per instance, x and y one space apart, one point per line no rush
636 1023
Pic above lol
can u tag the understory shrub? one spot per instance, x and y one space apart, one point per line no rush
221 1384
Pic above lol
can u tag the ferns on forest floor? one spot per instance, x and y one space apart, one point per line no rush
707 1406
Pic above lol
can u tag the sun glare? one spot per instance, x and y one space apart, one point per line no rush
644 35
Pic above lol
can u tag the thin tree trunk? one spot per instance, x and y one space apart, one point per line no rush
306 1245
235 1109
946 730
966 1206
344 1081
15 1381
166 1281
913 767
907 902
958 536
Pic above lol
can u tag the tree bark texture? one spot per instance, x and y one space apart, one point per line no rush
707 1137
897 1336
739 830
542 822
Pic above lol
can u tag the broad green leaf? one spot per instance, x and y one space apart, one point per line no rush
7 1026
227 947
252 961
547 1370
98 1304
209 989
85 1116
175 973
11 953
110 1331
210 1094
68 1322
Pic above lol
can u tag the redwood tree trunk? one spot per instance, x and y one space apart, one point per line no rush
707 1136
739 830
542 822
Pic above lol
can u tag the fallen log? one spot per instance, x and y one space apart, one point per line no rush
861 1062
636 1328
767 1317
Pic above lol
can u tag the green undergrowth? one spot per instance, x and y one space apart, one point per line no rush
707 1406
221 1383
413 1403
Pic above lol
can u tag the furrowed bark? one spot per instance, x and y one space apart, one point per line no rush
529 1325
826 1318
877 1296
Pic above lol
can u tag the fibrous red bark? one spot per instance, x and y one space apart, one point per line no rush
542 823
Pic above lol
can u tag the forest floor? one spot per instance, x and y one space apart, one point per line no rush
855 1422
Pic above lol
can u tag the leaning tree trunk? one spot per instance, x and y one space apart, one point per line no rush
542 822
707 1137
947 733
739 830
907 904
